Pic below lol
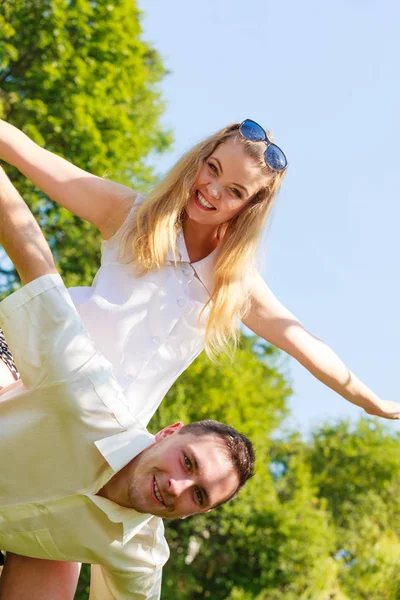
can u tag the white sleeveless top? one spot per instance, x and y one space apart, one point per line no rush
147 326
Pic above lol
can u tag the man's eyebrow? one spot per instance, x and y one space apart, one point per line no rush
196 468
221 170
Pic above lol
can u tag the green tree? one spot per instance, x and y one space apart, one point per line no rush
357 471
76 76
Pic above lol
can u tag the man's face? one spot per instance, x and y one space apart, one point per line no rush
181 474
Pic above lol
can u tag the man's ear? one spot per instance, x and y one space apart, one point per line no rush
169 430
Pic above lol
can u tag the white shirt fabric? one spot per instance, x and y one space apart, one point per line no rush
65 431
147 327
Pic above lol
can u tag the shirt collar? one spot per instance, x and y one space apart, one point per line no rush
204 268
118 450
131 520
181 250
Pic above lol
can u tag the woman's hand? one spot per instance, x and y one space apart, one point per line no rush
387 409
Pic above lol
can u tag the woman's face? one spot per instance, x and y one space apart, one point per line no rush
226 183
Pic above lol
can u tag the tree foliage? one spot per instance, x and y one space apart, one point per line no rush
357 470
77 77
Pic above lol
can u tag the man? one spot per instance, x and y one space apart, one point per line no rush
80 479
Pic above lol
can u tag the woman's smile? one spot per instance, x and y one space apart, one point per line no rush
202 202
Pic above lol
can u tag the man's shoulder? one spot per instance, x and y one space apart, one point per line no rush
150 544
146 552
28 292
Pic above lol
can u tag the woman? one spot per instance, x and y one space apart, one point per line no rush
178 268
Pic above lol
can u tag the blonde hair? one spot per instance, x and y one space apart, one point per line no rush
160 218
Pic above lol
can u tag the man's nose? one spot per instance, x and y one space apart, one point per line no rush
179 486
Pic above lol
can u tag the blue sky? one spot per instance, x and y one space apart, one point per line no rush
323 76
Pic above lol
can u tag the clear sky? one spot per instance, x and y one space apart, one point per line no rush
324 77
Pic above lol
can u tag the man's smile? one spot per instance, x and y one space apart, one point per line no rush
157 493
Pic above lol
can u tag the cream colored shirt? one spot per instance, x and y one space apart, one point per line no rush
65 430
147 327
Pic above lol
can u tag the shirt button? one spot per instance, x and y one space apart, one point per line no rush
187 271
181 302
156 340
128 378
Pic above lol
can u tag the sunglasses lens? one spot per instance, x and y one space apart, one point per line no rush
252 131
275 158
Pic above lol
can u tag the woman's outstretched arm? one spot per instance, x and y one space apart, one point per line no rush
100 201
269 319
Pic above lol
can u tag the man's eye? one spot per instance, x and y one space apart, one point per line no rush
199 497
213 168
188 462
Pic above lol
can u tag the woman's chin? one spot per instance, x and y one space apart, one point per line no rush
196 214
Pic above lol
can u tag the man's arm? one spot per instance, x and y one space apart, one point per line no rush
38 579
21 236
105 585
135 570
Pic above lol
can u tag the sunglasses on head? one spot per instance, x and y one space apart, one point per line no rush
274 156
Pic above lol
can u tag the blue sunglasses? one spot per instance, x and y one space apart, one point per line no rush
274 156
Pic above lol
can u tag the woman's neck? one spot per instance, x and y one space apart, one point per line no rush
200 240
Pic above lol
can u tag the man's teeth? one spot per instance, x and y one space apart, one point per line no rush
203 201
157 493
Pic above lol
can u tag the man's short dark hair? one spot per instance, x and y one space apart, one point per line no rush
239 448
